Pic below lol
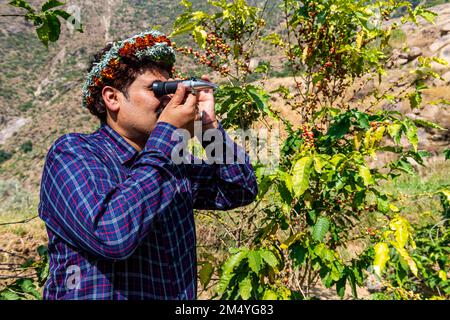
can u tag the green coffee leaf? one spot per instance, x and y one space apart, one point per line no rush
269 295
269 258
245 288
54 27
340 287
51 4
364 172
339 128
259 98
382 203
9 295
205 273
228 269
320 229
297 254
394 131
200 36
363 120
21 4
300 175
28 286
43 32
319 163
381 257
254 261
415 99
411 133
428 124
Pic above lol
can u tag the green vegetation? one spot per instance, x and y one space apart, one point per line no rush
330 213
398 38
26 106
325 195
4 155
26 146
47 19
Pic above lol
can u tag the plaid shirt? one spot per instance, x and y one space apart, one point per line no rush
120 222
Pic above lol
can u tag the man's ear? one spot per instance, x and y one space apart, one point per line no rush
111 98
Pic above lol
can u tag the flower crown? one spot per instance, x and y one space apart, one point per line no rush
152 45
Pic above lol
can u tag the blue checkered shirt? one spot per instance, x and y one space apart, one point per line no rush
120 222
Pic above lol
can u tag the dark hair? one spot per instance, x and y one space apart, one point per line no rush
127 71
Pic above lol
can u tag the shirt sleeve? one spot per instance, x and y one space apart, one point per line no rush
81 205
225 182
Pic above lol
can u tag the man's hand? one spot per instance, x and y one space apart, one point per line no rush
181 111
206 104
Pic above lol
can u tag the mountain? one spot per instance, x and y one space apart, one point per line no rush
40 89
40 97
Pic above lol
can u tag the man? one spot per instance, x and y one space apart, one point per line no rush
118 210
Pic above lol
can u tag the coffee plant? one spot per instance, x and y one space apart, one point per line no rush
46 20
28 287
321 215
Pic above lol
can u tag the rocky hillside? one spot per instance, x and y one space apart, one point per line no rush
430 40
40 89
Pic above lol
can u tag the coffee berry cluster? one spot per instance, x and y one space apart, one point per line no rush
216 53
308 136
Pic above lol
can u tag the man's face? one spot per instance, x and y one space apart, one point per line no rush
138 113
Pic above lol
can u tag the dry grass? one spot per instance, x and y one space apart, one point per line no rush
436 93
18 244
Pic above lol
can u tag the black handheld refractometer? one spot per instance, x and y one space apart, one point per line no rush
161 88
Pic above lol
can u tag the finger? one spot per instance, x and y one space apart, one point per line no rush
205 78
178 96
191 101
171 94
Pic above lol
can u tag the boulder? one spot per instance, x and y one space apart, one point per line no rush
430 112
413 53
445 29
437 45
254 62
444 54
402 61
446 77
440 82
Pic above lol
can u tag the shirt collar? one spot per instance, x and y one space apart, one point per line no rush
123 149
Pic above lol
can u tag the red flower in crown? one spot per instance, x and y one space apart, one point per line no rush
98 81
160 39
108 73
113 63
141 43
149 40
127 50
